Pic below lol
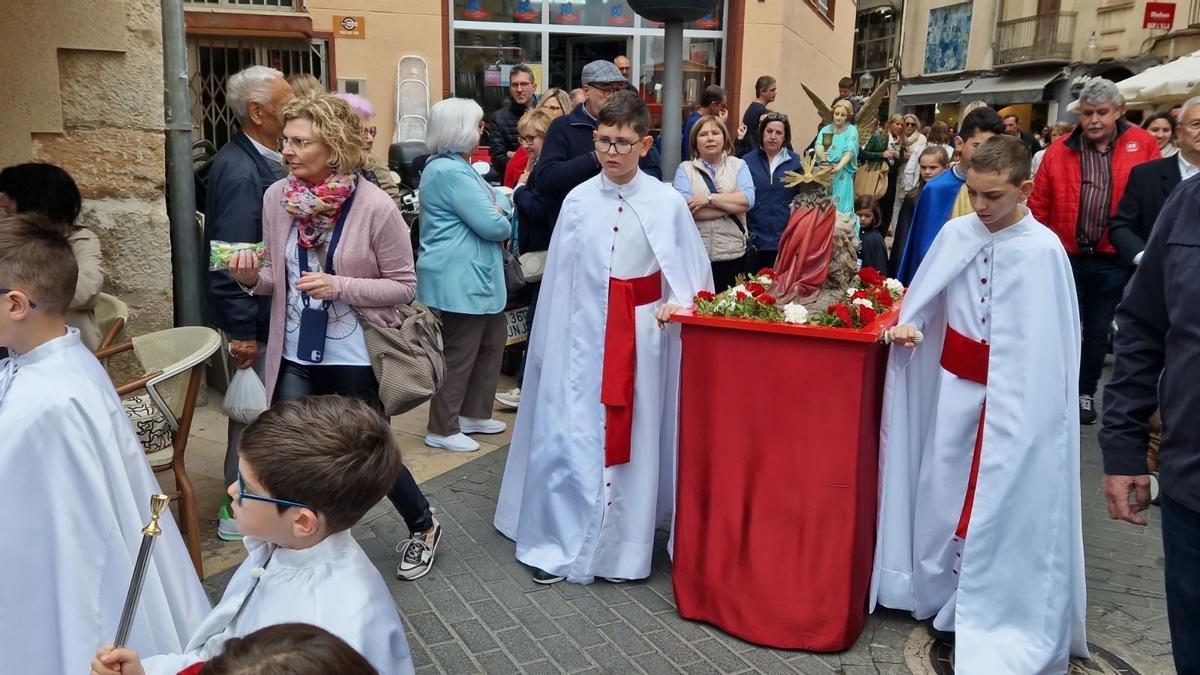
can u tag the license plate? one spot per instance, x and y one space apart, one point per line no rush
517 321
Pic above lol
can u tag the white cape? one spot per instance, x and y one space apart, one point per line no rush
567 513
1018 602
75 493
332 585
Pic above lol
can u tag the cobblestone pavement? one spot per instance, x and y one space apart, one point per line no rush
479 611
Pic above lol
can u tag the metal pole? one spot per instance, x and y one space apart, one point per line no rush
672 125
181 189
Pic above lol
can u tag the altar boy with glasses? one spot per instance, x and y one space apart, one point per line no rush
591 468
308 470
979 517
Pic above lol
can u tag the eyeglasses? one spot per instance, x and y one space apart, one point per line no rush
622 147
296 142
529 139
607 90
520 85
910 124
242 494
5 291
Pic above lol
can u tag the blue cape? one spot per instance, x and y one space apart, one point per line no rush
933 209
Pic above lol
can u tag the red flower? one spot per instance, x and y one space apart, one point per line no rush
705 295
858 294
766 272
870 277
742 296
842 313
883 298
767 299
756 289
866 315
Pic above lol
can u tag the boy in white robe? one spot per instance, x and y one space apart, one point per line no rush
308 469
74 483
591 467
979 521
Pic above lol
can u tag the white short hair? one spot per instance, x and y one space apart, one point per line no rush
1188 104
1100 91
252 84
454 126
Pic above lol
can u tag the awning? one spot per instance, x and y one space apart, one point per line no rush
926 93
1010 89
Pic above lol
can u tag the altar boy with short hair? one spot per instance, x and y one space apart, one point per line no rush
979 516
308 469
591 468
74 483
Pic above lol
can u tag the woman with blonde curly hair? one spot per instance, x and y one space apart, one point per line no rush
338 253
556 103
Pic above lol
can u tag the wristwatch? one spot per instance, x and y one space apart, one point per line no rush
710 199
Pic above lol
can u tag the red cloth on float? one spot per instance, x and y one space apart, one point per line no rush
805 250
620 361
777 480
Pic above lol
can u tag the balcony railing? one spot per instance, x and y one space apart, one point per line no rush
265 5
1036 38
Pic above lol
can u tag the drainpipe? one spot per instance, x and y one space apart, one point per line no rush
672 126
187 276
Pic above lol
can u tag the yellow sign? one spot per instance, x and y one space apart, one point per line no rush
350 27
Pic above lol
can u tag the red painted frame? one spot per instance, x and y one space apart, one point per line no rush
869 333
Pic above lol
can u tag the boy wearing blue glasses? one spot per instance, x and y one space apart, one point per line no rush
74 483
309 469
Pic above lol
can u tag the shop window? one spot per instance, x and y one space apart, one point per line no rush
484 59
701 67
500 11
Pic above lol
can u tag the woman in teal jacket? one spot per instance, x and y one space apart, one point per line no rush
460 273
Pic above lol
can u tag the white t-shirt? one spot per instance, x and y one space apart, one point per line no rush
344 342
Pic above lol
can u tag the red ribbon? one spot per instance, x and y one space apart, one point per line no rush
968 359
620 361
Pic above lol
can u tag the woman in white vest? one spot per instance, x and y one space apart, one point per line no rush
719 191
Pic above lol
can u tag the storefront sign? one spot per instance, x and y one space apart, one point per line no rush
1159 16
567 14
475 11
618 16
350 27
525 12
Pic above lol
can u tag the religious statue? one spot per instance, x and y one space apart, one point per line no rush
818 252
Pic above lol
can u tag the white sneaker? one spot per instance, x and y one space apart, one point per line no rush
455 443
470 425
510 398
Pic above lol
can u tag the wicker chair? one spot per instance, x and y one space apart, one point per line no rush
111 316
173 361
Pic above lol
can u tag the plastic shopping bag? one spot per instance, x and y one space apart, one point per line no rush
245 398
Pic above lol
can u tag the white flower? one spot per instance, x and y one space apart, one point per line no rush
850 292
863 302
795 313
893 286
733 292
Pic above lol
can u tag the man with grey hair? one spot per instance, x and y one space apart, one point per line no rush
239 176
502 126
1077 189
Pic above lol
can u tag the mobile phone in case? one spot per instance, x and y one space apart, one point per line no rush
310 344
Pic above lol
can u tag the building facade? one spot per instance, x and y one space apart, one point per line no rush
1029 57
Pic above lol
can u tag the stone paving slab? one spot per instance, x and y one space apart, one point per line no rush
479 611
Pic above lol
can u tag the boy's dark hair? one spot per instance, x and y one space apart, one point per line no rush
846 83
333 453
712 94
42 188
869 203
36 258
775 117
288 649
1005 155
980 119
762 84
625 109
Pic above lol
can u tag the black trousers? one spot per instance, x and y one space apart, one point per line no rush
359 382
1099 282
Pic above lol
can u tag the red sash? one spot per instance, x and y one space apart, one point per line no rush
966 358
620 361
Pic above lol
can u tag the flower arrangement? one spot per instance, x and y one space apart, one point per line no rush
870 295
751 298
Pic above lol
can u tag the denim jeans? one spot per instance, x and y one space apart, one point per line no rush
1181 549
359 382
1099 282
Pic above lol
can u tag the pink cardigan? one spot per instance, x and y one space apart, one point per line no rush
374 264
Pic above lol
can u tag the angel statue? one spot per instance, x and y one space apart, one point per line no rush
818 251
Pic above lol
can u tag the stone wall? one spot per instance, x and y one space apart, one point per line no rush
89 97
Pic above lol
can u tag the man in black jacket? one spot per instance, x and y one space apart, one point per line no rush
1012 127
502 127
239 175
1149 186
569 152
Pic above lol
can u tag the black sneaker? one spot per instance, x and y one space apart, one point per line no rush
545 578
417 552
1087 409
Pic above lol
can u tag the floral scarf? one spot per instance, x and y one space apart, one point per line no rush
314 208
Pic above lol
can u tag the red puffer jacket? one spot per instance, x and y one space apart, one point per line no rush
1055 198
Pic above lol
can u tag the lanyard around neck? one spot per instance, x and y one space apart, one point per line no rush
302 253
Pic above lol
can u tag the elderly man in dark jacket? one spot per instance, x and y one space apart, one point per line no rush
569 152
502 126
1157 366
240 173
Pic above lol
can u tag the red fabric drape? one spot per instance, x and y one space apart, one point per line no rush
805 250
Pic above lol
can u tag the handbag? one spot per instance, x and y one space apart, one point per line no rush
406 358
533 265
750 257
514 279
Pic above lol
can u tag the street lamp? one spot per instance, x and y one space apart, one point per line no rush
1091 53
866 83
